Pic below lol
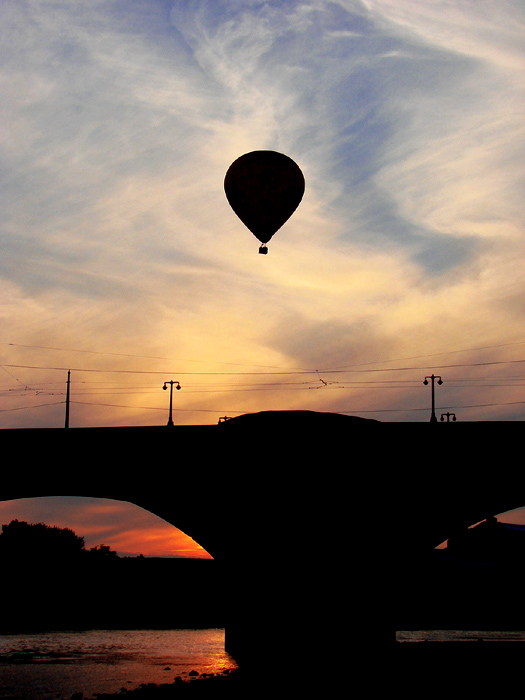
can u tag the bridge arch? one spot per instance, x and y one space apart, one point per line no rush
425 527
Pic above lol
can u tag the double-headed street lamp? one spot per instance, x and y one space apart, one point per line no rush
432 377
449 416
177 385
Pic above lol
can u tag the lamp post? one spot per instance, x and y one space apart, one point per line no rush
177 385
448 415
432 377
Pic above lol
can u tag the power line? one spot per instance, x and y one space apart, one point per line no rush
237 412
283 372
436 354
153 408
89 387
315 382
425 408
402 386
136 371
308 371
353 412
144 357
23 408
12 375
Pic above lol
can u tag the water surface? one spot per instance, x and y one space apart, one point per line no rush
57 664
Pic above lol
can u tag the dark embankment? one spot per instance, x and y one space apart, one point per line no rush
123 593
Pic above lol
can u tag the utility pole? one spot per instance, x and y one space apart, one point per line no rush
67 398
171 383
433 418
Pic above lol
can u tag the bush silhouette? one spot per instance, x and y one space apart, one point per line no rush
38 542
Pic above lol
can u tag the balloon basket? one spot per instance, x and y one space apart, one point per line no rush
263 250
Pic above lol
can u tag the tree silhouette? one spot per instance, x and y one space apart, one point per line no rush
102 551
37 542
50 581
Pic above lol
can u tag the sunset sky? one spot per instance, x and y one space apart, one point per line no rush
122 260
124 527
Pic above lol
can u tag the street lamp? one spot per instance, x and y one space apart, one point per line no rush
433 418
448 415
177 386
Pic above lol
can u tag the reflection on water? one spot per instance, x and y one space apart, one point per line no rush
44 666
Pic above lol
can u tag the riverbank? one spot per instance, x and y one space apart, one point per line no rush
118 594
228 684
417 669
459 651
477 666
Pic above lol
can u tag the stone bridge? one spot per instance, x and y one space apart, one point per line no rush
310 515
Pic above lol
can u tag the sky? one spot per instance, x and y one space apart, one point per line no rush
126 528
122 261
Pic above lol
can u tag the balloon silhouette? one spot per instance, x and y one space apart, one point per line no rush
264 188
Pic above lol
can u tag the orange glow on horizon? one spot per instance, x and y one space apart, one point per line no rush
126 528
162 541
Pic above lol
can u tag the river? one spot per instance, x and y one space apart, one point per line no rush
55 665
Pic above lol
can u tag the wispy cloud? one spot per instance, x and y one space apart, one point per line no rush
119 122
127 529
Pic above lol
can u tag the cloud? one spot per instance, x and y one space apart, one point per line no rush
452 166
477 30
124 527
120 121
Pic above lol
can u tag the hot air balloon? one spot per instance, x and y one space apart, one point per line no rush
264 188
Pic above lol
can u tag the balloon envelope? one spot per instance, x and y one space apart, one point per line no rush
264 188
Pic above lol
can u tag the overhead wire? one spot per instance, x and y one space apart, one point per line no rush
274 367
425 408
154 408
436 354
145 357
23 408
316 382
282 372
